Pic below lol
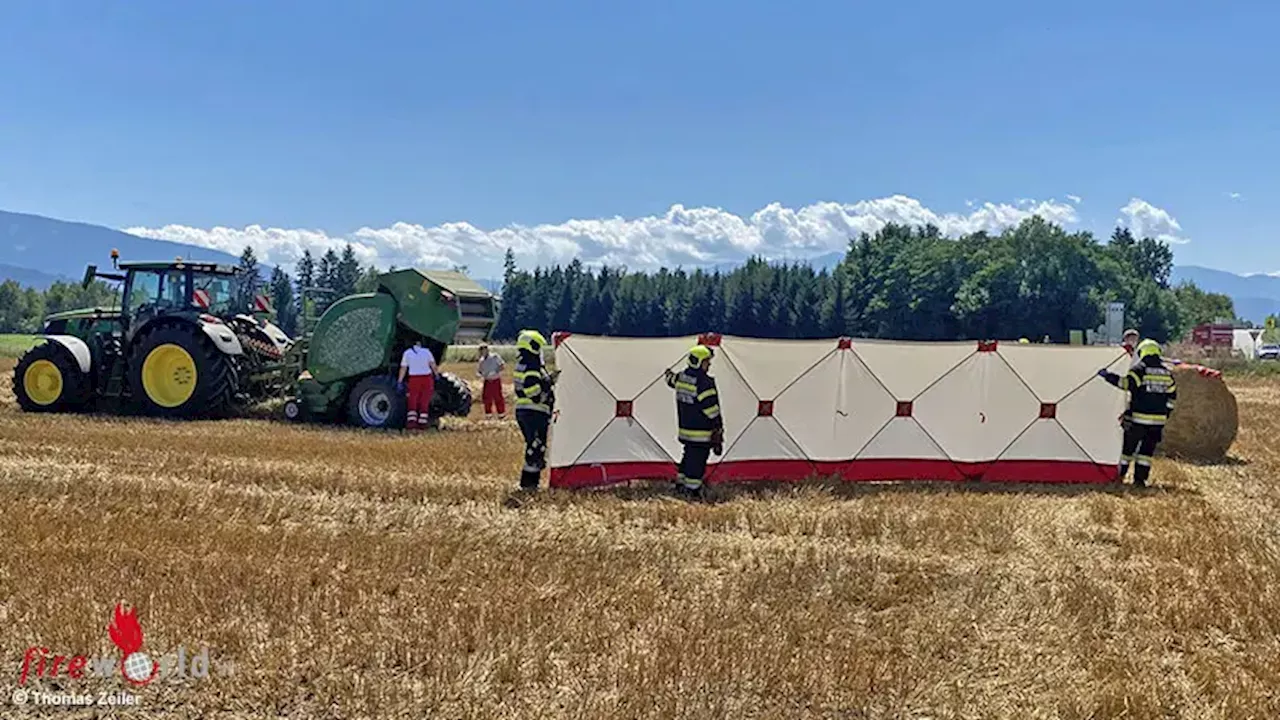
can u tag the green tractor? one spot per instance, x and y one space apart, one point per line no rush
352 357
176 347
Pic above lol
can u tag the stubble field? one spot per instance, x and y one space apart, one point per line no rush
351 574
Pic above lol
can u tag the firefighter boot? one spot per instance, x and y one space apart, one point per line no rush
529 480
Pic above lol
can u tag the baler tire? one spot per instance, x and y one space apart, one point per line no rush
452 396
360 413
73 385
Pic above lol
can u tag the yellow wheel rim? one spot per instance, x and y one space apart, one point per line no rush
169 375
43 382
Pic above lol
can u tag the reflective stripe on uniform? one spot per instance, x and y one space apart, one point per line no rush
694 434
712 412
1149 419
1144 461
526 404
706 394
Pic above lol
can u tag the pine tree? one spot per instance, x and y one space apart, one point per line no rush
248 282
283 299
347 273
508 268
306 271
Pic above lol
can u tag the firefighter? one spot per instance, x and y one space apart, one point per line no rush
535 400
701 429
1130 343
1152 393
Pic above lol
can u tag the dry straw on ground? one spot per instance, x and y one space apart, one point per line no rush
351 574
1205 421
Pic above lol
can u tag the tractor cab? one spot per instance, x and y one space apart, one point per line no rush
152 290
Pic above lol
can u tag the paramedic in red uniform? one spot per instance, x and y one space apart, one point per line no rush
420 365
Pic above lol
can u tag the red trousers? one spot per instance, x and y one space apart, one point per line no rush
493 397
421 388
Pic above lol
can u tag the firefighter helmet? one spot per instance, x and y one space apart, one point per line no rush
1147 348
698 353
530 340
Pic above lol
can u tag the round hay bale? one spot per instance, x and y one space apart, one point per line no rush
1205 419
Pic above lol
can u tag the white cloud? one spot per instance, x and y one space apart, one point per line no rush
1234 195
1147 220
1075 199
681 236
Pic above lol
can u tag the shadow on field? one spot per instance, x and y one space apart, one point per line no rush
1228 461
837 490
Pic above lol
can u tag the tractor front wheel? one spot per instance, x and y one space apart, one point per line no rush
177 371
47 379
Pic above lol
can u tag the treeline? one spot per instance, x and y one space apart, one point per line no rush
902 282
22 310
314 286
910 283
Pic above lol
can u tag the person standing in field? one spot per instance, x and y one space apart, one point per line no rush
489 368
700 426
1152 393
419 364
535 401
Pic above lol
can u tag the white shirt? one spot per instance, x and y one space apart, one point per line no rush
418 360
491 367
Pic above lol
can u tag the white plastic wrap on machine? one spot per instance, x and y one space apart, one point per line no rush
851 408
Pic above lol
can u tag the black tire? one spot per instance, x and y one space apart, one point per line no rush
452 396
215 374
76 385
294 411
376 403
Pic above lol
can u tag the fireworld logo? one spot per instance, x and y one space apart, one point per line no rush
134 665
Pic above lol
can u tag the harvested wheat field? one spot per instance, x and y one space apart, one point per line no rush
348 574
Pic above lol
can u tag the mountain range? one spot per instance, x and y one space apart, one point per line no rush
37 251
1254 296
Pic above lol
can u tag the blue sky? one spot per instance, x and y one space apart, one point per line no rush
299 124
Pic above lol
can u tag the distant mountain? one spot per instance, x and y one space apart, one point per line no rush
27 277
39 247
1254 296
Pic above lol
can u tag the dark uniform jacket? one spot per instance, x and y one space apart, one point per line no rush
532 385
697 406
1152 391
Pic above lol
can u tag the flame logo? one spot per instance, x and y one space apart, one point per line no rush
126 633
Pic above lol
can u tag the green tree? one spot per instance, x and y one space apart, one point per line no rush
305 272
1271 331
1198 306
347 273
13 306
283 300
368 281
247 284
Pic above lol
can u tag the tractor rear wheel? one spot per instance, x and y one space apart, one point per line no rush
452 396
376 403
177 371
48 379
